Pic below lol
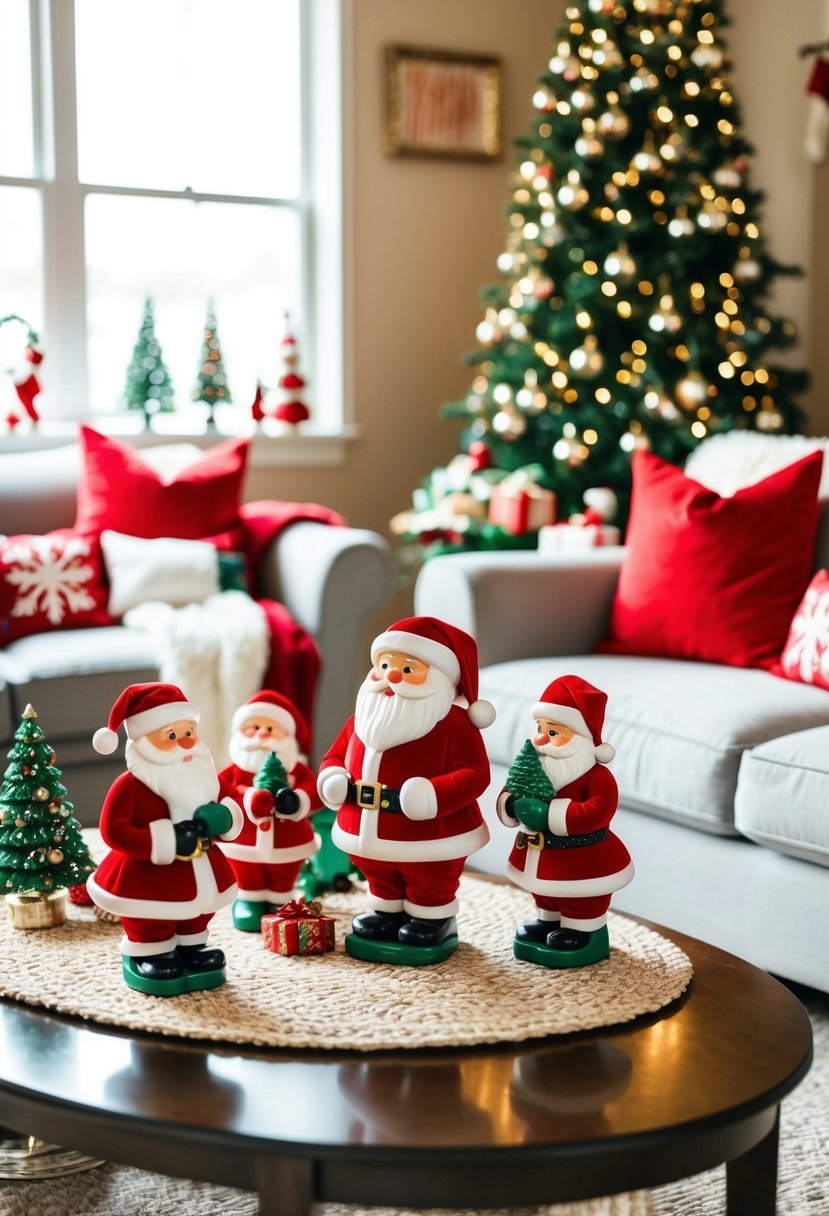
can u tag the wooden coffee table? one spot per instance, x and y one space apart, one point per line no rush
583 1115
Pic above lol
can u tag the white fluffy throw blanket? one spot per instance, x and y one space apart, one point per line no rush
727 463
216 652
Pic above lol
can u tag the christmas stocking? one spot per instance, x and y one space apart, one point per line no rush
817 124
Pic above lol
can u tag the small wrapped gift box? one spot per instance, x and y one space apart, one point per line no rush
519 505
298 928
570 537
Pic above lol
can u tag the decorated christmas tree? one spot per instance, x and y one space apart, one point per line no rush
41 846
633 308
211 383
526 777
149 387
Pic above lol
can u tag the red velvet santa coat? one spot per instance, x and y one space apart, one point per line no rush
452 756
279 840
140 876
585 805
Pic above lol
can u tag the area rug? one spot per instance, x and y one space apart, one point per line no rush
802 1190
276 1001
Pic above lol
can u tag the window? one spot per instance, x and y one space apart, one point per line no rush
166 149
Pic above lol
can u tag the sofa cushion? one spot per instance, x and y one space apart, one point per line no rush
783 794
805 656
712 578
73 676
679 729
50 582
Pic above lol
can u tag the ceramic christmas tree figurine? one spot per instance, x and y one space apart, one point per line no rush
42 851
163 876
562 798
269 772
404 776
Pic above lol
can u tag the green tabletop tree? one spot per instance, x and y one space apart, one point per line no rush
211 382
526 777
149 387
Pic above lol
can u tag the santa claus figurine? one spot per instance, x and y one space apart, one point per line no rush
404 775
562 798
277 835
163 875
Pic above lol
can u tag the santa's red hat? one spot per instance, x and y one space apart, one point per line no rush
445 647
274 708
141 709
573 702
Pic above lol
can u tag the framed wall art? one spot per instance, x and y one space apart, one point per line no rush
442 104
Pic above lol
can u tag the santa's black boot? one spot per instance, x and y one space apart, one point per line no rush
567 939
156 974
535 930
162 967
379 926
422 932
201 958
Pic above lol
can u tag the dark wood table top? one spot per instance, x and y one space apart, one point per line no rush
694 1085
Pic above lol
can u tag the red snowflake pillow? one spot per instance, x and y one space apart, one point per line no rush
805 656
50 582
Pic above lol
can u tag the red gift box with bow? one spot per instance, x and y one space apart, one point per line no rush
298 928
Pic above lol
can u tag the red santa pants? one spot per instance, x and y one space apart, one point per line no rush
272 884
585 914
146 937
422 888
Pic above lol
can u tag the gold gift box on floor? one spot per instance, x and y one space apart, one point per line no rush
37 909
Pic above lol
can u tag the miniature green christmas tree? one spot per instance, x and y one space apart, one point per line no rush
149 387
41 846
272 775
211 384
526 777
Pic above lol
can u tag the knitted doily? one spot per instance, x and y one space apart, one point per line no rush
481 994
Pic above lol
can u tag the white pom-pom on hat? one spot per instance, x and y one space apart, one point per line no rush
105 741
604 753
481 714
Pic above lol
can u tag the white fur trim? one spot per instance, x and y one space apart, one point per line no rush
160 715
430 911
335 780
263 852
418 799
192 939
445 848
500 810
263 709
604 753
606 884
384 905
567 715
304 808
263 895
585 926
105 741
238 819
481 714
550 918
557 816
146 949
163 848
426 649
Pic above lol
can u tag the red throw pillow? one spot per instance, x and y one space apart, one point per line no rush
711 578
49 582
119 491
805 656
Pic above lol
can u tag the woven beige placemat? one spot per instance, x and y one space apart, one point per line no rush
481 994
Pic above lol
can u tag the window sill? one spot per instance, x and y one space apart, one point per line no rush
304 447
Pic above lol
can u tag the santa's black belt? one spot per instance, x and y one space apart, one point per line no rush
546 840
373 796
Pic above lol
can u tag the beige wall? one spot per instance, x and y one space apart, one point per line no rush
426 234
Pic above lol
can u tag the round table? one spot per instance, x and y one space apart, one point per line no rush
562 1118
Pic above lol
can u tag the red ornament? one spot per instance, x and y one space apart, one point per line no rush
257 412
480 456
78 894
291 412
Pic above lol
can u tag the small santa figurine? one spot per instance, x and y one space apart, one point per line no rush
163 875
404 776
562 798
277 836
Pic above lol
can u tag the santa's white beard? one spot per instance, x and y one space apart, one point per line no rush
251 754
383 722
183 786
568 762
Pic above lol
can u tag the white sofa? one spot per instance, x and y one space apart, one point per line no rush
723 772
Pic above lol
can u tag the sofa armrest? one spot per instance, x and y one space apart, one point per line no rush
521 605
331 579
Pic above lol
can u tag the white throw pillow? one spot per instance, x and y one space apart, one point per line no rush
166 569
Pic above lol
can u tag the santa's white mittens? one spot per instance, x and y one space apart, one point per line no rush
162 842
418 799
557 816
501 810
302 812
332 787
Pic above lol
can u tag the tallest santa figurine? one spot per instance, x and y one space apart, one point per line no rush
404 775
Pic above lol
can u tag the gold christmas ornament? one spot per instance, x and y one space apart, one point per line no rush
747 270
613 123
509 425
54 856
36 909
691 391
41 794
20 823
586 361
589 147
619 264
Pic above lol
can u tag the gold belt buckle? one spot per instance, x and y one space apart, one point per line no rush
375 788
202 845
531 840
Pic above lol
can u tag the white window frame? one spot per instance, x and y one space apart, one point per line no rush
325 32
